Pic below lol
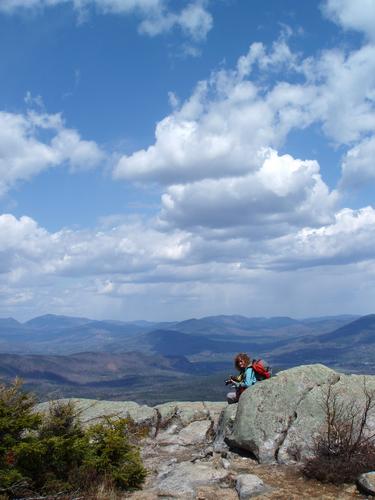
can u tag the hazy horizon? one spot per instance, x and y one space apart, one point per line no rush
166 320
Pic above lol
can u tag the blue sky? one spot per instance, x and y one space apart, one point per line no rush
168 159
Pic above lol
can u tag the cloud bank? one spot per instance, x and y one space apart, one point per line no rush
133 264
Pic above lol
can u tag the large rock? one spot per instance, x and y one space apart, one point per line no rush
224 427
277 418
310 416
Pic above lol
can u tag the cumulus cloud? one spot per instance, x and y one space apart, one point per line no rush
282 194
345 93
221 128
26 151
358 15
193 20
229 118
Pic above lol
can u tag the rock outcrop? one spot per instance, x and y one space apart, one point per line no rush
277 419
213 450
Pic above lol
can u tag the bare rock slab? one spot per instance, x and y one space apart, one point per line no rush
92 410
182 480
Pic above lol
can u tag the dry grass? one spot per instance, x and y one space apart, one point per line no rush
290 484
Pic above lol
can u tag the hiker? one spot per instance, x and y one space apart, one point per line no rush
243 380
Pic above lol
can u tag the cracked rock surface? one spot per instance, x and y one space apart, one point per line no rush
277 419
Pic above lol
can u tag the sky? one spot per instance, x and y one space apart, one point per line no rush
168 159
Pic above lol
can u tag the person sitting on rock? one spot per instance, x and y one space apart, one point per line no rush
243 380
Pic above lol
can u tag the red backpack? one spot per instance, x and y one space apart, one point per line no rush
261 369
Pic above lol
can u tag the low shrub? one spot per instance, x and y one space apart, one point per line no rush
346 446
111 456
52 453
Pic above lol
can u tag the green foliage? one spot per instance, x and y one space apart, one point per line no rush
17 421
111 455
52 453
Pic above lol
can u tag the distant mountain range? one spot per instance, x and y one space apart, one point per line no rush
152 362
350 347
51 334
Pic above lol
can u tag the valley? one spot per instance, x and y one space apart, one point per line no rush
61 356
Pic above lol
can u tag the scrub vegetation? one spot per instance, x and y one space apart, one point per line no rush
346 447
50 454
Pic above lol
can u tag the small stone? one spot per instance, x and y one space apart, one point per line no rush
225 463
366 483
249 485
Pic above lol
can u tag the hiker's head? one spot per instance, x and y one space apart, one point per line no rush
241 361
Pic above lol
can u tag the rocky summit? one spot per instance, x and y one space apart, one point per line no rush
206 450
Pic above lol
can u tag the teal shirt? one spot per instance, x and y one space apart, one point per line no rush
249 378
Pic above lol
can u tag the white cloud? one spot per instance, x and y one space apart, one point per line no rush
107 6
123 6
128 248
239 221
359 164
221 128
283 193
127 268
26 151
137 252
193 20
345 93
348 239
356 15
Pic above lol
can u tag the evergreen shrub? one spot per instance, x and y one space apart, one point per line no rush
52 453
